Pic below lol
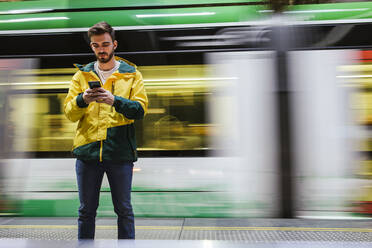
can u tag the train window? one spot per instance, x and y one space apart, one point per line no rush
176 119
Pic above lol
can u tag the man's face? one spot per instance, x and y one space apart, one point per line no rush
103 47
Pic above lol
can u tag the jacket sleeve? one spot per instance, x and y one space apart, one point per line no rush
136 106
74 105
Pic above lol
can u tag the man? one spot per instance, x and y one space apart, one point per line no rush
105 136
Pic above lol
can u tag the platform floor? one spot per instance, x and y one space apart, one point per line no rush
37 232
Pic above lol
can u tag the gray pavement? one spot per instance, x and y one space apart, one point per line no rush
190 232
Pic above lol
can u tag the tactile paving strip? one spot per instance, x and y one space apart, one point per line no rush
273 236
71 233
40 234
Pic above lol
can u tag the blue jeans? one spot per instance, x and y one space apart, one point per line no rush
89 179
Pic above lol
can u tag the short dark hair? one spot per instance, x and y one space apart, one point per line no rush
101 28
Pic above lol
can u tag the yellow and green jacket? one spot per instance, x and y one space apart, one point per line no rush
104 132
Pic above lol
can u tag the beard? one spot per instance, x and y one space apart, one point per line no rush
102 59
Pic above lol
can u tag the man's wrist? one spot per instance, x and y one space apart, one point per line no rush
80 101
84 99
113 100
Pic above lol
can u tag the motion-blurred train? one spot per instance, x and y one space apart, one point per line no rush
209 144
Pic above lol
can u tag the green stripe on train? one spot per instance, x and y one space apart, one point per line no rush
337 11
130 18
75 4
177 204
138 17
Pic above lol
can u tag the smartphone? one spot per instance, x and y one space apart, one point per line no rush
94 84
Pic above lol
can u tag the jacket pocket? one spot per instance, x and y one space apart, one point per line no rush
119 145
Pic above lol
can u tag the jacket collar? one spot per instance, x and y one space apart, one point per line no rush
125 66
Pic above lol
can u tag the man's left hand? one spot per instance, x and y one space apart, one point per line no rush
104 96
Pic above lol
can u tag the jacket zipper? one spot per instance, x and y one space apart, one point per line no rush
101 145
112 92
100 151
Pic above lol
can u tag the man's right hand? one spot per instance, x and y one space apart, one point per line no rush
89 95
